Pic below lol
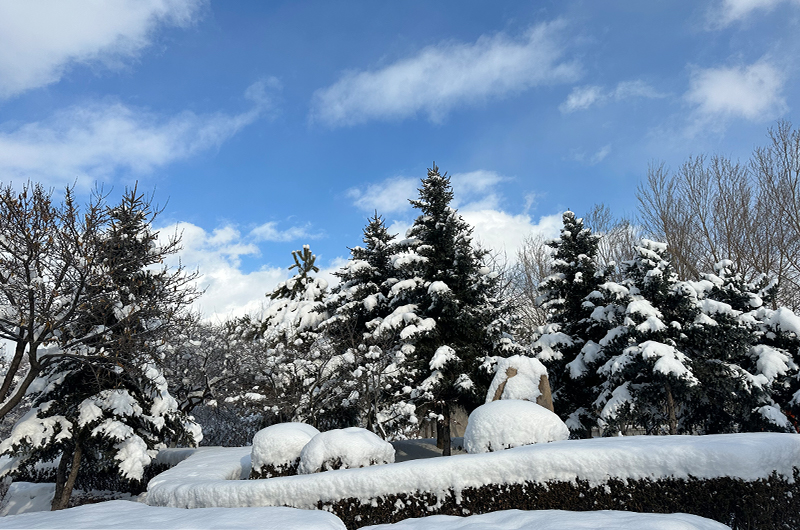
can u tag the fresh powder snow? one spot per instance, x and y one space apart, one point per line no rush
523 385
280 444
557 520
510 423
352 447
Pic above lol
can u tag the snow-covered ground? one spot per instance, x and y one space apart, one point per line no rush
126 514
130 515
209 478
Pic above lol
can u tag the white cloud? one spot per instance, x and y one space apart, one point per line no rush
389 196
229 291
270 232
752 92
92 142
583 97
505 232
729 11
497 230
447 75
40 39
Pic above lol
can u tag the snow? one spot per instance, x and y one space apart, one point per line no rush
126 514
511 423
442 356
280 444
620 397
523 385
438 287
670 361
557 520
770 362
24 497
210 478
547 342
352 447
644 308
774 415
652 324
785 319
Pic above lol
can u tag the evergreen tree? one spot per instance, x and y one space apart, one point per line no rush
358 306
102 404
737 375
446 299
648 377
301 365
566 296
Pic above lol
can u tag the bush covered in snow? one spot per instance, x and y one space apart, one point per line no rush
343 449
276 449
510 423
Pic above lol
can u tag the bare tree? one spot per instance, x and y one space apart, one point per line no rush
47 261
618 237
777 169
84 281
714 208
534 264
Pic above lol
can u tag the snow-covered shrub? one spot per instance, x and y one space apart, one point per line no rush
276 449
343 449
510 423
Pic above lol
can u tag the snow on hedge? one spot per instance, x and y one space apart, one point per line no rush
127 514
558 520
210 478
511 423
280 445
352 447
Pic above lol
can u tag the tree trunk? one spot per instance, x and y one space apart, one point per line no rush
19 392
19 352
446 429
673 420
64 484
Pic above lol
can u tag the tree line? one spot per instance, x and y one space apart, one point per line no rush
679 321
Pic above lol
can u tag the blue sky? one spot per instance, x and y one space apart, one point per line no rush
264 126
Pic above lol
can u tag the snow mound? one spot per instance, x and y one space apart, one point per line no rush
516 377
24 497
276 449
558 520
343 449
511 423
127 514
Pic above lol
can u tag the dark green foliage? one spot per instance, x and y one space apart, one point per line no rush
764 504
357 306
564 294
447 280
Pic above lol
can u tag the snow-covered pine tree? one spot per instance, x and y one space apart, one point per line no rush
299 362
358 306
102 404
565 295
777 356
92 417
648 378
738 374
447 302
